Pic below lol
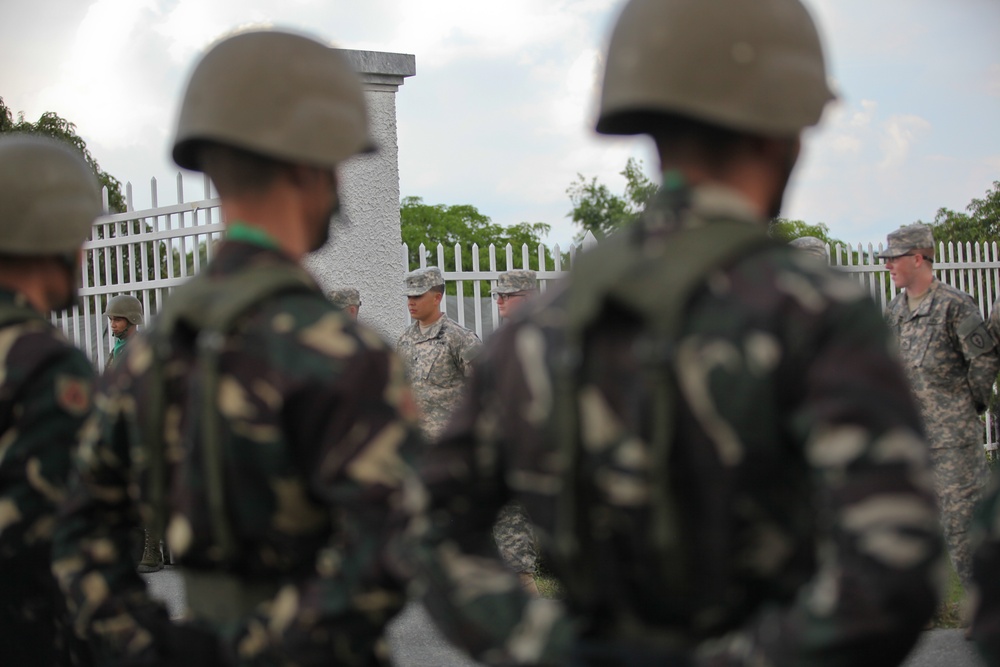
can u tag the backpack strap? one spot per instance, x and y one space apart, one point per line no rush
655 280
211 307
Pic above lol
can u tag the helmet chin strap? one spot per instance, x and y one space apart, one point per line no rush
124 331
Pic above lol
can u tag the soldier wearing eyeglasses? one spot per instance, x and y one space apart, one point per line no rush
513 289
951 361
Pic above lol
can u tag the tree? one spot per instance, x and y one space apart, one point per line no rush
463 225
784 230
980 225
597 210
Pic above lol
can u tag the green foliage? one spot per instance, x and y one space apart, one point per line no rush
464 225
598 210
784 230
980 225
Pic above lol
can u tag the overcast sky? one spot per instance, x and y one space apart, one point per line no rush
501 111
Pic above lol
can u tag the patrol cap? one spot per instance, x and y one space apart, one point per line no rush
753 66
277 94
49 197
907 238
125 305
420 281
344 297
518 280
811 245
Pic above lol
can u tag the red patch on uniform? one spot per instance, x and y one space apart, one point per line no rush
73 394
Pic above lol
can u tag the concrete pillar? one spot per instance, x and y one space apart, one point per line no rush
365 252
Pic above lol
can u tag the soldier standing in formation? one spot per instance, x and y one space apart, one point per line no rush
254 420
951 360
512 532
49 199
710 431
348 299
124 313
436 350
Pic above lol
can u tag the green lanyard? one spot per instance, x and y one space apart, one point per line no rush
241 231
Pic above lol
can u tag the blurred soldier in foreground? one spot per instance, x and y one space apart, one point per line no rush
951 360
347 299
256 422
985 590
48 201
512 532
437 350
709 429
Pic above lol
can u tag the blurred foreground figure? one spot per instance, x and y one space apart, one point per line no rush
48 201
719 450
985 588
254 421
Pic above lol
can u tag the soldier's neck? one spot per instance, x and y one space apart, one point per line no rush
919 286
430 321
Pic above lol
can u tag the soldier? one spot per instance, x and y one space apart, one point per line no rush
985 590
951 361
713 438
347 299
513 289
48 201
812 246
124 313
512 532
437 351
260 425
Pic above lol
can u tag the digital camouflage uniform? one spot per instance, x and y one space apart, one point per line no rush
812 246
45 396
986 574
951 361
344 297
316 413
804 525
438 359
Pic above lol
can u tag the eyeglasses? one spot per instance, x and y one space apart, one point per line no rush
886 260
506 297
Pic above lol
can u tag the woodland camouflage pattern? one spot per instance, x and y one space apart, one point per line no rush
986 574
45 396
318 422
438 361
951 361
807 517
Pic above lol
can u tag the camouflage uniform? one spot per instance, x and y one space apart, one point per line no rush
344 297
804 508
45 396
315 414
986 574
951 362
438 359
812 246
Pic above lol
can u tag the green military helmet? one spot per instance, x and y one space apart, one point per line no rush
49 197
277 94
127 306
753 66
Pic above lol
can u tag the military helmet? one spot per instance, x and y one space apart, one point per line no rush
125 305
49 197
277 94
753 66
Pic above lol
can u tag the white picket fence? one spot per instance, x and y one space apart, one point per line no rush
148 252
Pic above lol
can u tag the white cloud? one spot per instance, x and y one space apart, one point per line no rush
899 135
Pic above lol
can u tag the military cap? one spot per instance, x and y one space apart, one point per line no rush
812 246
420 281
518 280
907 238
344 297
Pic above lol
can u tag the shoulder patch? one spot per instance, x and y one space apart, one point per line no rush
973 331
73 394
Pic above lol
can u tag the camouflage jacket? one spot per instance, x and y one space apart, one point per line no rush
317 422
950 359
986 573
808 531
438 362
45 396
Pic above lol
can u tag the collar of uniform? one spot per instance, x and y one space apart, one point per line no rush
924 308
712 201
235 255
8 295
433 332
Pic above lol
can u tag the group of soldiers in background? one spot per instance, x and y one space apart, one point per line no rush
713 436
